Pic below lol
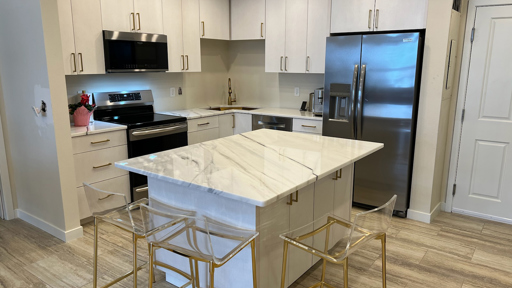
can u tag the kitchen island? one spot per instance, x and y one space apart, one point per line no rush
250 180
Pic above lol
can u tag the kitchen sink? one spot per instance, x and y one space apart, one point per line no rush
231 108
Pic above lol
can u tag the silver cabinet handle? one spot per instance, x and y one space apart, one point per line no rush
183 62
308 126
308 60
202 124
370 19
285 63
138 17
233 120
186 56
140 190
102 141
202 22
281 64
353 104
262 30
360 102
74 62
377 18
101 166
155 131
133 21
81 62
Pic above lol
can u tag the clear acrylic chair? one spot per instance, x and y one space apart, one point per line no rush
334 239
114 208
200 239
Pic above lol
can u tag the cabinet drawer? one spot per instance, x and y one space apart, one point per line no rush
203 123
308 126
203 136
98 165
98 141
119 185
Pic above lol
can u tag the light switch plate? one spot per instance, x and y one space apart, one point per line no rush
173 92
297 91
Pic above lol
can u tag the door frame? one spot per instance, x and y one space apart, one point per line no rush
5 182
462 93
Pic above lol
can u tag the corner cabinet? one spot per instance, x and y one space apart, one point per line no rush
296 35
214 19
81 36
143 16
378 15
247 19
181 25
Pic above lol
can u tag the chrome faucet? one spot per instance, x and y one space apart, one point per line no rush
230 99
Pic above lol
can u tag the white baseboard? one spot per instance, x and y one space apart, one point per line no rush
422 216
483 216
65 236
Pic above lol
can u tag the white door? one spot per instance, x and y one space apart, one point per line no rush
118 15
296 36
352 15
214 16
173 28
88 36
484 174
243 123
275 35
247 19
67 36
400 14
149 16
318 31
226 125
191 40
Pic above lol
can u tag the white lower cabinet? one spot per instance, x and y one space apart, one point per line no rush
307 126
243 123
98 165
203 136
226 125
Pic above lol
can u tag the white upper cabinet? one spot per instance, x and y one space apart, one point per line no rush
214 17
275 35
191 40
352 15
318 31
81 36
296 36
400 14
378 15
132 15
247 19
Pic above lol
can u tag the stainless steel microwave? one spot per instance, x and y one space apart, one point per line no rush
135 52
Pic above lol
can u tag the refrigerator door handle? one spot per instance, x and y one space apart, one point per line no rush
360 102
353 99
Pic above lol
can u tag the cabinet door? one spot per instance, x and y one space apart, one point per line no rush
67 36
88 36
247 19
301 214
226 125
173 28
343 193
296 36
119 185
203 136
149 16
400 14
323 205
353 15
275 35
191 40
318 31
243 123
214 16
118 15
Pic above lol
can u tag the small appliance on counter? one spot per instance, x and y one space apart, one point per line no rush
148 132
318 102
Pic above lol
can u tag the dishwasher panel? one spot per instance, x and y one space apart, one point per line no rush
271 122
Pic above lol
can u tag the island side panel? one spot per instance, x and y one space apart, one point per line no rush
239 269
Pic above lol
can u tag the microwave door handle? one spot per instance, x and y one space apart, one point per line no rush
360 102
353 100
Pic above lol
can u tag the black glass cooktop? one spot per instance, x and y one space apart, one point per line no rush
143 120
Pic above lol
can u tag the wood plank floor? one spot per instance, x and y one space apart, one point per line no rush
453 251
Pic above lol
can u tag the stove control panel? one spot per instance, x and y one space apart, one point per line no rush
118 97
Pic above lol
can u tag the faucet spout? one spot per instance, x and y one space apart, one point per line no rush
230 99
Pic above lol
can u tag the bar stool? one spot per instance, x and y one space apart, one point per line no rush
348 237
115 209
199 239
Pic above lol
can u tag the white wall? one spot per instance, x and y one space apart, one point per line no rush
31 70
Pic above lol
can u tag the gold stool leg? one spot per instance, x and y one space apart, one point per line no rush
212 277
383 241
285 258
192 278
151 266
345 272
95 257
135 260
254 276
197 274
149 249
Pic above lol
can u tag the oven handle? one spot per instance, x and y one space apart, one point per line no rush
156 131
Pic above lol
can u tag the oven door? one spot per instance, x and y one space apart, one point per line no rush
148 140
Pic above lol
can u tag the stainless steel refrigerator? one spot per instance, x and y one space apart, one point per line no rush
371 94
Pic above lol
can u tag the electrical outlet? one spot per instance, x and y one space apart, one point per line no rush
297 91
173 92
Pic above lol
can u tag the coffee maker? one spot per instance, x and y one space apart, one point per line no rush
317 102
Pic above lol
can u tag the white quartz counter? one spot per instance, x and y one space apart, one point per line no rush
96 128
281 112
258 167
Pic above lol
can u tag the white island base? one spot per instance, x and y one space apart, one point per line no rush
326 195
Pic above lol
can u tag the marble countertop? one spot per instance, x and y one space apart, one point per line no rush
96 128
258 167
282 112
